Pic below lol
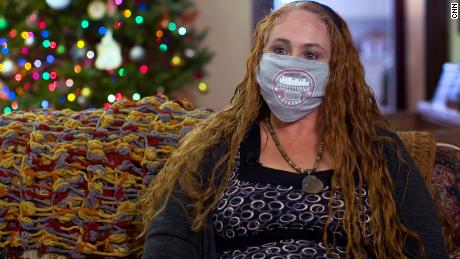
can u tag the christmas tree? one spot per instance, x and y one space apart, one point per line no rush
81 54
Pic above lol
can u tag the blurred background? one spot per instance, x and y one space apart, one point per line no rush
85 54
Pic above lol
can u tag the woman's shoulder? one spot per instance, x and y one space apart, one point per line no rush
389 140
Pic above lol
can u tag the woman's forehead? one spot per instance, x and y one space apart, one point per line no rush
300 25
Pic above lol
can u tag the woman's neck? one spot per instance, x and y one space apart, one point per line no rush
306 130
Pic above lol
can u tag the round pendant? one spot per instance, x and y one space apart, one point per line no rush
312 184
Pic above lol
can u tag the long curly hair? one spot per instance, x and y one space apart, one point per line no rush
350 119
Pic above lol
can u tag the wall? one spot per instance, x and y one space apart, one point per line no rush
415 52
229 37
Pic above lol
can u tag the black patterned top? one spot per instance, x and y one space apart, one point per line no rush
264 213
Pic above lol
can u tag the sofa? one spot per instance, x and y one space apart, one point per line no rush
69 180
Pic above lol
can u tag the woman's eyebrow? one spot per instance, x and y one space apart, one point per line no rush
313 45
306 45
282 40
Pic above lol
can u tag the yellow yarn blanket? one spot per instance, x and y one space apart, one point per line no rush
69 180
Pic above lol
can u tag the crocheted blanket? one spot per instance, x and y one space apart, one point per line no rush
69 180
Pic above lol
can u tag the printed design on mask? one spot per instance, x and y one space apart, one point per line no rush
293 87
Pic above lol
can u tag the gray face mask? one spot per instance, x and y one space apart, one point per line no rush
293 87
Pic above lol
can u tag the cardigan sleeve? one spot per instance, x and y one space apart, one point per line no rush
415 206
170 235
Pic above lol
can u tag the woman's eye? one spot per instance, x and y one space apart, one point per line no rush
311 55
280 51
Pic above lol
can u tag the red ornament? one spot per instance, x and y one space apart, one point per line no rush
188 18
117 24
198 74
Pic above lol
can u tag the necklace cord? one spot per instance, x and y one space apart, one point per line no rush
285 155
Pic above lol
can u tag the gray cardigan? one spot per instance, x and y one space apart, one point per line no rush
170 235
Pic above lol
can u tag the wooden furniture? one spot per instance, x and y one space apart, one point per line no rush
441 131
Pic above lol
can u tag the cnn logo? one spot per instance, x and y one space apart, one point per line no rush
454 11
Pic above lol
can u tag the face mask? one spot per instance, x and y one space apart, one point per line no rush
292 87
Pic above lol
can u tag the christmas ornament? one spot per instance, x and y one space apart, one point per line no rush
96 10
111 7
189 53
108 53
58 4
81 100
8 67
137 53
31 20
77 53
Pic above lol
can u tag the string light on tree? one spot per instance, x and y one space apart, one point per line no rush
45 104
182 31
90 54
203 87
69 82
61 49
45 54
136 97
139 19
77 69
172 26
102 30
3 23
122 72
127 13
111 98
176 61
7 110
84 24
144 69
71 97
163 47
159 34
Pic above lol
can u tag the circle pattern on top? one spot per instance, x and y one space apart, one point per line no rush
252 208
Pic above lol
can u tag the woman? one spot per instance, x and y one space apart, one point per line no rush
300 164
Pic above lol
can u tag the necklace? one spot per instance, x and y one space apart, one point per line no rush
311 183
